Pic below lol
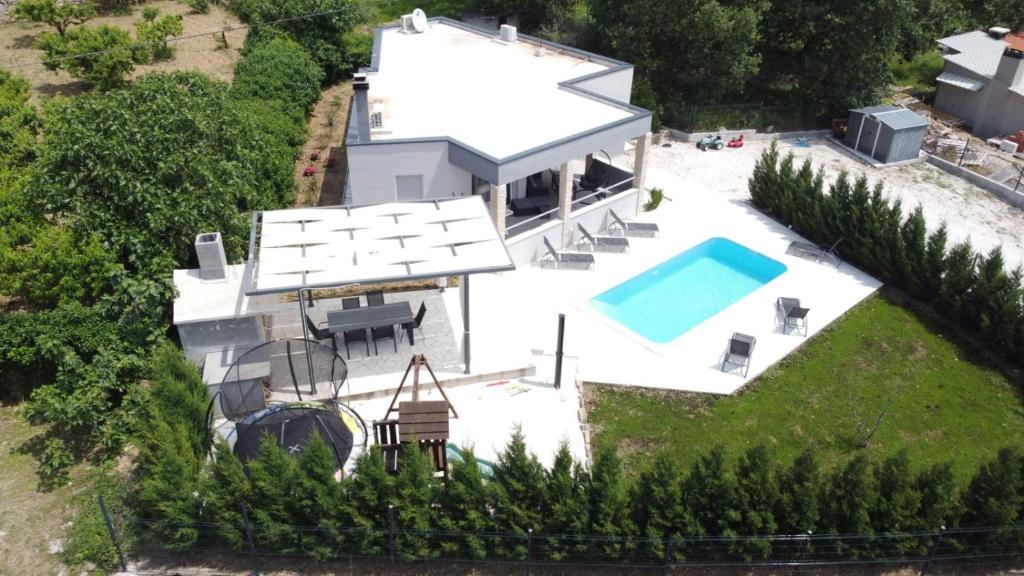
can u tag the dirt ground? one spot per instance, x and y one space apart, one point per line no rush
326 143
967 210
205 53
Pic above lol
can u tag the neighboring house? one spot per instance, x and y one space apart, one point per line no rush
982 81
455 110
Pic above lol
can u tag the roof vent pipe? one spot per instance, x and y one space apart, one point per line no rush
361 100
210 252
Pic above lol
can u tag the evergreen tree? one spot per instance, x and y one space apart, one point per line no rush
838 208
996 305
939 497
463 509
898 503
608 501
850 497
916 263
757 497
863 230
225 488
764 181
566 508
318 495
935 264
995 499
958 283
519 495
658 509
367 495
709 492
416 490
177 394
799 486
274 476
168 483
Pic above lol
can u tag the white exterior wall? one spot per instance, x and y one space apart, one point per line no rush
616 85
373 168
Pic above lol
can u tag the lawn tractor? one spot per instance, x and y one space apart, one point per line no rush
711 143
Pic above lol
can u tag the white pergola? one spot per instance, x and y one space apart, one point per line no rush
301 249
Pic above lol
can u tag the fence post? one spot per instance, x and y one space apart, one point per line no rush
249 539
529 549
558 351
391 539
931 550
112 533
967 144
669 554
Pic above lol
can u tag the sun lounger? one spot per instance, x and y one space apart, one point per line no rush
819 253
741 348
573 260
631 229
793 315
601 243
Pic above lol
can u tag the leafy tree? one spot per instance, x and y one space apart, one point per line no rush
608 503
415 491
700 49
279 70
519 493
320 35
152 33
101 56
533 14
1005 13
710 493
798 507
565 506
757 495
463 508
157 163
60 14
18 123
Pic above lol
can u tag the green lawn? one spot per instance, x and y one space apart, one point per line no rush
942 404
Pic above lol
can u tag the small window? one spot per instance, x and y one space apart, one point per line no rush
409 188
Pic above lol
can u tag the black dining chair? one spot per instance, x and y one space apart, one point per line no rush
353 336
417 322
375 298
383 333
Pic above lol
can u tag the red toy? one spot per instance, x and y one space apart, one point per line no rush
736 142
309 171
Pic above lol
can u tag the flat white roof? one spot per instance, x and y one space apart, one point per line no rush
303 248
207 300
496 97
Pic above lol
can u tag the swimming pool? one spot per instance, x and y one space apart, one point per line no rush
663 302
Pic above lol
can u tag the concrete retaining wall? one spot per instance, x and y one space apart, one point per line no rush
749 134
1003 192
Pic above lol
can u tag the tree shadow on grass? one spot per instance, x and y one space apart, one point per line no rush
55 454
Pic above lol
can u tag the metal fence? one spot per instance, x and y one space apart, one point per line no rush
981 159
249 547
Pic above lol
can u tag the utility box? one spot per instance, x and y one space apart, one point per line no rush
886 134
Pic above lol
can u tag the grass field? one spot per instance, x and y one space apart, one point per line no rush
878 360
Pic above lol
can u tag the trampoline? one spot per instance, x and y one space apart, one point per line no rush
292 426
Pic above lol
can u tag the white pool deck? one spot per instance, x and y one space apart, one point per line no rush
517 312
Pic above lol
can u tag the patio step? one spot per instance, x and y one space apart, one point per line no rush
446 381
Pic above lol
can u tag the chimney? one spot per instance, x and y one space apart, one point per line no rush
1011 65
361 88
998 32
210 251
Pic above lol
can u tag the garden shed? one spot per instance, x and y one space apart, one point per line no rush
887 134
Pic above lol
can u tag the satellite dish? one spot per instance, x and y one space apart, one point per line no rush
419 20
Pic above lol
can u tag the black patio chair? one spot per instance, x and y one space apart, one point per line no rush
741 348
353 336
601 243
632 229
320 332
375 298
574 260
383 333
819 253
793 315
417 321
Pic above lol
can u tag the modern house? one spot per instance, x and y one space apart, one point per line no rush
982 81
447 110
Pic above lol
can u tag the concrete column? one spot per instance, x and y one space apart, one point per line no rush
640 170
587 162
497 206
565 203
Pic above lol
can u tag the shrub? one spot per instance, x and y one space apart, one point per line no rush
18 123
151 34
279 70
655 200
199 6
101 56
88 541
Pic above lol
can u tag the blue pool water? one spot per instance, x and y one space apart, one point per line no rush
662 303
